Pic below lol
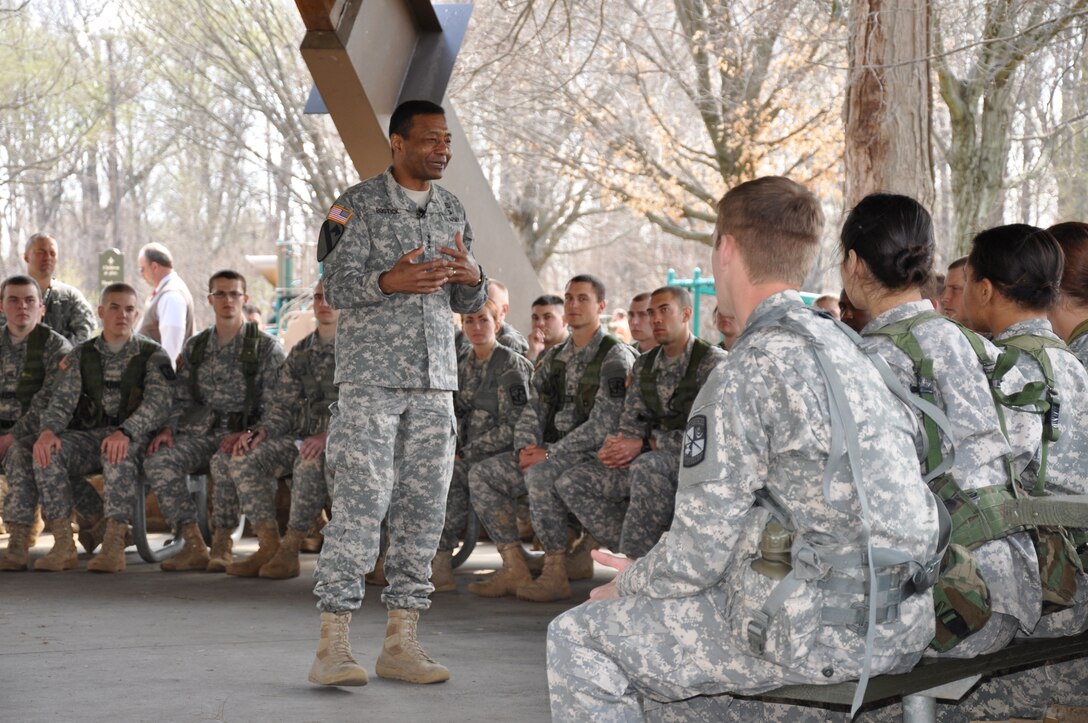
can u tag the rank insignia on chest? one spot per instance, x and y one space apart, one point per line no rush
695 441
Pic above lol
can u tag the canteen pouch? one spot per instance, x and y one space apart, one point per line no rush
961 599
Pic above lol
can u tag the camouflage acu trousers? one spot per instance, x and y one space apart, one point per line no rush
597 495
168 469
547 508
392 450
495 485
311 480
24 491
253 476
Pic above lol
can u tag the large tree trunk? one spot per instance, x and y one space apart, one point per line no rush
888 107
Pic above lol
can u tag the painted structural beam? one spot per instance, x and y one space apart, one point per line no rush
366 56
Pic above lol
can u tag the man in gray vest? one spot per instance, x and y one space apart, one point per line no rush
624 497
168 316
64 308
30 353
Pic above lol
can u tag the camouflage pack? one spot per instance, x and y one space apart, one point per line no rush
961 599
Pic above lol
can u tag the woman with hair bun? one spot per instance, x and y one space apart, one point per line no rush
1013 276
1070 315
887 256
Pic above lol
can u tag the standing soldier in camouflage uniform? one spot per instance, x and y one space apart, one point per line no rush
493 388
290 440
508 336
576 398
1013 276
210 417
30 355
66 310
113 392
396 253
888 249
625 496
797 420
1070 315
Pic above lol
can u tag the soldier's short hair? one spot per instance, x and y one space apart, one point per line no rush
641 296
958 263
229 275
116 288
35 238
156 253
678 293
548 300
20 280
598 285
400 123
777 225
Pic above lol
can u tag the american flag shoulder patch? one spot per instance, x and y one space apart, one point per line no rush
339 214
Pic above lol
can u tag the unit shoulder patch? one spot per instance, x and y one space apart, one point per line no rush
695 441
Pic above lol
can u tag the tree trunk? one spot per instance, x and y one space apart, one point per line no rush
888 107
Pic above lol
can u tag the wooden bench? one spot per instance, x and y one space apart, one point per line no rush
933 679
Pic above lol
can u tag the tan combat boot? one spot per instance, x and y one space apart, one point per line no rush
112 556
193 556
268 542
442 572
17 554
221 556
506 581
334 664
402 658
313 539
284 563
580 562
552 584
63 554
36 527
377 575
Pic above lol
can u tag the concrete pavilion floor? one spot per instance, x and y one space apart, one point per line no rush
150 646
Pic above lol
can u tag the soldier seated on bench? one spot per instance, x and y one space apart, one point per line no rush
290 440
209 415
30 355
798 426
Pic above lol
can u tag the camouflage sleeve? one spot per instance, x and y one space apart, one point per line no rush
83 321
468 299
607 405
633 418
154 409
183 397
725 462
284 402
65 396
271 359
529 428
344 250
513 339
56 348
513 398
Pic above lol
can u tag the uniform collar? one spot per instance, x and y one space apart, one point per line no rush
898 313
1030 327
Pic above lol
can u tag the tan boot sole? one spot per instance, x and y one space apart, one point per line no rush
346 677
393 671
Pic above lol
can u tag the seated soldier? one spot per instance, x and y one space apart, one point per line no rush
225 377
796 423
638 323
30 355
726 324
508 336
492 389
577 394
549 328
625 496
112 393
290 440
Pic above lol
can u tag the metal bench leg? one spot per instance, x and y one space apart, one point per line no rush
198 489
468 541
139 529
919 708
